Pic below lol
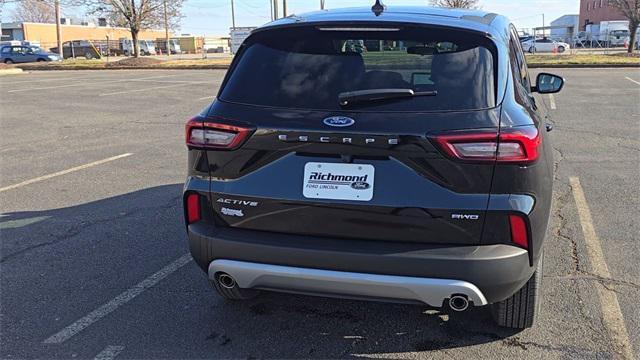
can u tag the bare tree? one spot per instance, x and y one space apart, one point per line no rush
461 4
37 11
631 10
139 15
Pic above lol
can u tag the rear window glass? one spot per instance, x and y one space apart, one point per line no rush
310 67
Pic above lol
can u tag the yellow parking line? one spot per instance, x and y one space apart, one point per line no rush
611 313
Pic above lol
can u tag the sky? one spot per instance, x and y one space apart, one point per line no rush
213 17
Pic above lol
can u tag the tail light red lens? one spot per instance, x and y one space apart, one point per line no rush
513 145
193 208
204 134
519 234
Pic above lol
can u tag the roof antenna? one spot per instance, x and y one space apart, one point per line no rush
378 8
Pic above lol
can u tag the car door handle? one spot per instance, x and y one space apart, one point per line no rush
548 126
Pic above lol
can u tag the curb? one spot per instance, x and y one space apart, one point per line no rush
225 67
583 66
12 71
186 67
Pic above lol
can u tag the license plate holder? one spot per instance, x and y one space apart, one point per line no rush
333 181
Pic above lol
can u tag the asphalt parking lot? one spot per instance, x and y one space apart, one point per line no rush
93 252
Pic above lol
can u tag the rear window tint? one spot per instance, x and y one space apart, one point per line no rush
308 68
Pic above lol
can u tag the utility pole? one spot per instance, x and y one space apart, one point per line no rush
233 16
58 30
275 9
284 8
271 6
321 4
166 28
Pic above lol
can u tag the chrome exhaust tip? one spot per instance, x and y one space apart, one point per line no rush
458 302
226 281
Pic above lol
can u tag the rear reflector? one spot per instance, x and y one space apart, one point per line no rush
513 145
204 134
193 208
519 235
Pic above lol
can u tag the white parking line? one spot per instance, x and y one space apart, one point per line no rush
151 88
207 97
612 315
84 84
41 80
104 310
63 172
552 101
109 353
633 81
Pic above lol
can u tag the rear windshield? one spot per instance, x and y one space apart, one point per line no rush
309 67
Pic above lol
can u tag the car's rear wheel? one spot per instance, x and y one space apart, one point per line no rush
8 61
522 308
561 49
229 289
40 60
88 56
532 49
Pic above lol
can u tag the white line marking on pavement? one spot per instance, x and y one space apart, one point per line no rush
207 97
63 172
104 310
42 80
630 79
612 315
552 101
109 353
97 82
150 88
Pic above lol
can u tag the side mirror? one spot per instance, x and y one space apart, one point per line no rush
548 84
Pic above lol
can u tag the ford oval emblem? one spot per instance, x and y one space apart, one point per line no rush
339 121
360 185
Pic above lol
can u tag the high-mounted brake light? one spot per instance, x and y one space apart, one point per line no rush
519 234
513 145
205 134
193 208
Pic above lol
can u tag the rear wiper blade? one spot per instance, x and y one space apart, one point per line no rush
359 96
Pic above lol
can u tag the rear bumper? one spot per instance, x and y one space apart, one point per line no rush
358 268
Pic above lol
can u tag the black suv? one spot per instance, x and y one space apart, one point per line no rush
394 155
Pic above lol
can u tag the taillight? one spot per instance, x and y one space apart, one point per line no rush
513 145
204 134
519 234
193 208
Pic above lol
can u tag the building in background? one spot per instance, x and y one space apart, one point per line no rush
216 44
45 34
564 28
596 11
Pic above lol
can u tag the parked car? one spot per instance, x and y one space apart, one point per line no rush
145 47
545 45
10 54
78 48
419 174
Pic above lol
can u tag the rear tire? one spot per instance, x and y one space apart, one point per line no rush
8 61
532 50
522 308
561 49
88 56
235 293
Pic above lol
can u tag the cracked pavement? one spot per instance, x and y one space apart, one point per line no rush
71 243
